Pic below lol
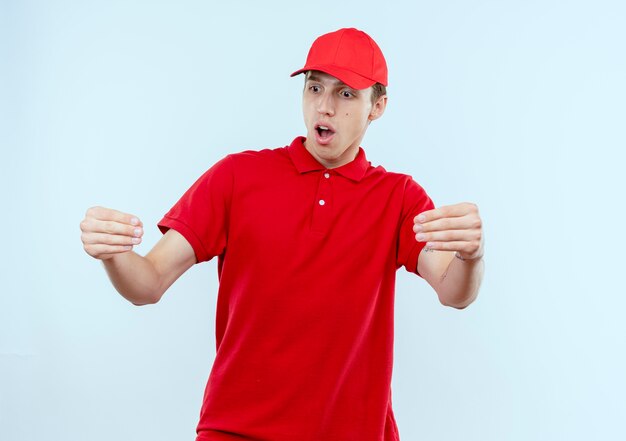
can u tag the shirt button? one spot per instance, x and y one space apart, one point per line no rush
322 201
327 175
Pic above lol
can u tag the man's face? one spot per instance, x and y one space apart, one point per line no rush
336 118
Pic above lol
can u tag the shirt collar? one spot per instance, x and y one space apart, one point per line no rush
305 162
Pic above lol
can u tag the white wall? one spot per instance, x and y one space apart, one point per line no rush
518 106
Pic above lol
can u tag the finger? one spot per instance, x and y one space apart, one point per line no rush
110 227
463 246
109 214
109 239
455 210
105 256
98 250
449 236
467 222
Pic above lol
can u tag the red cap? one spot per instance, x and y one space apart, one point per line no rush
349 55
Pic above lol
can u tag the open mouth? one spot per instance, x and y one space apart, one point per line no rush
324 132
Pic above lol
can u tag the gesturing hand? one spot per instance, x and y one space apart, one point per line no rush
106 232
451 228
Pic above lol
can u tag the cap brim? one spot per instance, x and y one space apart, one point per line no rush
348 77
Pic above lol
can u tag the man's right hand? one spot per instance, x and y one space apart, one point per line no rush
107 232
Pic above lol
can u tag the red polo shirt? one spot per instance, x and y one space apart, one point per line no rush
307 263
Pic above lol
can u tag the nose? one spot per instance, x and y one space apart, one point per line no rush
325 104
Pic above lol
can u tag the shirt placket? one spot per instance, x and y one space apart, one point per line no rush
323 204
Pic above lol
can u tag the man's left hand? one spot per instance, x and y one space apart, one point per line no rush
452 228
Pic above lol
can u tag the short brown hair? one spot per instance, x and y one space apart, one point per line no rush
378 90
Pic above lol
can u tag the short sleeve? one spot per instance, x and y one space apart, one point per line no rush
201 215
415 201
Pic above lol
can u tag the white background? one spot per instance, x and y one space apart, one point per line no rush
518 106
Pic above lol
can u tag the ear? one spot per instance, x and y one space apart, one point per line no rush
378 108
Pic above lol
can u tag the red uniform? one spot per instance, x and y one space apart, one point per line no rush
307 263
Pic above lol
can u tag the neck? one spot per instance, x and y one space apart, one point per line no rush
346 157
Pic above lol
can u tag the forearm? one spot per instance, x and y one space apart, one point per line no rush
460 283
135 277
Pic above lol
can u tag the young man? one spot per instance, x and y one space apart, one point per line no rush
309 238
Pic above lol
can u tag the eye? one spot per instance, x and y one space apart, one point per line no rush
346 93
314 88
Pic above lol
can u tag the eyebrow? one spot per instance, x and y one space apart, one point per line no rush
313 77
